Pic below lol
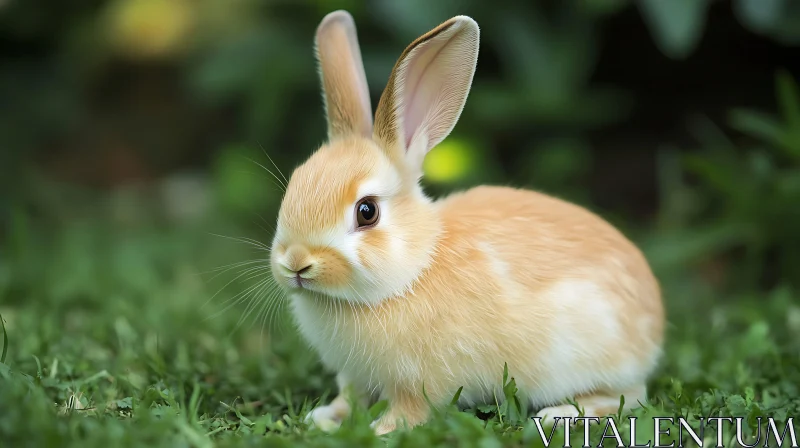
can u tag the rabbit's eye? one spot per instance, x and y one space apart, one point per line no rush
366 213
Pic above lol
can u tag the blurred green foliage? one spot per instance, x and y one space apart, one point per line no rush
736 203
242 71
135 139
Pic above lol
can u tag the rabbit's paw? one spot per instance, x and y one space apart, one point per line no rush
382 427
327 418
557 414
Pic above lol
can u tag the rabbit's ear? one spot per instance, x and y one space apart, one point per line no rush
344 84
427 90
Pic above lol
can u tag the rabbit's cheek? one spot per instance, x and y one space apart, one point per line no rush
333 270
372 248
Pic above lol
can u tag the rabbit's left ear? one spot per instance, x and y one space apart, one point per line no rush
341 71
427 91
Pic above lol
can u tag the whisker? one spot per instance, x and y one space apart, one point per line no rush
271 225
249 274
240 275
255 273
252 304
245 240
272 303
279 301
273 163
259 299
247 298
228 267
278 186
238 298
283 186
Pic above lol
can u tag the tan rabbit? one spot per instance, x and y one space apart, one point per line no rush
397 291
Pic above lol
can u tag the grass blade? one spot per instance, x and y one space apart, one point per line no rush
5 341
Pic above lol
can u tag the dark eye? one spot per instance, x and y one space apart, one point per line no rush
366 213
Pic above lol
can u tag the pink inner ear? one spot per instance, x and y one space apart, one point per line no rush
425 78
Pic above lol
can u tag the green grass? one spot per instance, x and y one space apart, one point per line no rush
108 343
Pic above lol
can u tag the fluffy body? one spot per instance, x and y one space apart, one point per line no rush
492 275
440 294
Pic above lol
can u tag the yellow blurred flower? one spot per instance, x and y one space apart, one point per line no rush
150 28
449 161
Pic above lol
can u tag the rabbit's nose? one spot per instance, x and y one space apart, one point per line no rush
304 269
297 260
297 271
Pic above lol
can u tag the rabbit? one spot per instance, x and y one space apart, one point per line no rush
398 292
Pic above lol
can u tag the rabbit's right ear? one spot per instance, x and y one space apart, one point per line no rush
344 84
427 90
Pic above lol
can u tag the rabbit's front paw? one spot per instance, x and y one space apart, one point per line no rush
557 414
327 418
382 427
405 411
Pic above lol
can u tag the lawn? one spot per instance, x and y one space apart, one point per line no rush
117 334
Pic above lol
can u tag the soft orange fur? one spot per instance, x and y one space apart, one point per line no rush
440 294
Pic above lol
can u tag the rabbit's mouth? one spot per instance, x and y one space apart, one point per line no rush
300 282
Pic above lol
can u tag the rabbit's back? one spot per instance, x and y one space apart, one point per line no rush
539 240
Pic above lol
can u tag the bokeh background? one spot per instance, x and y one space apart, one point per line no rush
133 135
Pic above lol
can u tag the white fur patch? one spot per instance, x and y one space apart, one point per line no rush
386 184
348 245
550 414
586 328
496 262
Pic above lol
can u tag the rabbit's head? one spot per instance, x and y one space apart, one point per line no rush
354 223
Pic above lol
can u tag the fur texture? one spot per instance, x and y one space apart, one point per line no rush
443 293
